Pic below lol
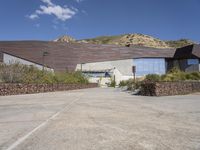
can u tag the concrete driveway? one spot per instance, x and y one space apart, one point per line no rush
99 119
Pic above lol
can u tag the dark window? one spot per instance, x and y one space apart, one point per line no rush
107 75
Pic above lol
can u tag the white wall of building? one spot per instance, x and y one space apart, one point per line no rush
9 59
122 69
124 66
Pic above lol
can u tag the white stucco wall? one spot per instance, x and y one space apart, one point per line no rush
9 59
124 66
122 69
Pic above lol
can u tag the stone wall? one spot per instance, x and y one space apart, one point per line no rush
16 89
169 88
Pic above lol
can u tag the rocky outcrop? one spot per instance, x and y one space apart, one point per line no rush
142 40
65 38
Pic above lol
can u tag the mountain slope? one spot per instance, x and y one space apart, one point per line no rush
131 39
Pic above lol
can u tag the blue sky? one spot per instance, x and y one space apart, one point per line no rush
48 19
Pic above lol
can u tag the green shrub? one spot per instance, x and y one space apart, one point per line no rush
173 75
195 76
113 83
126 83
70 77
153 77
123 83
18 73
12 73
174 70
180 76
130 84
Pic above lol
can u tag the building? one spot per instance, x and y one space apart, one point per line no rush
102 62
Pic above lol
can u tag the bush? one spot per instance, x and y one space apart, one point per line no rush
177 75
123 83
153 77
18 73
174 70
193 76
173 75
130 84
12 73
70 77
112 84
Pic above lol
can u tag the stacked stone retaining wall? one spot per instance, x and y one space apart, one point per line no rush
16 89
169 88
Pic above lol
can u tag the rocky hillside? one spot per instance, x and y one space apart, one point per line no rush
65 38
131 39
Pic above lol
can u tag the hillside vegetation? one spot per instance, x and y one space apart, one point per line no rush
131 39
180 43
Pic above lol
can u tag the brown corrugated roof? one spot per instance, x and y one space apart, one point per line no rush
65 56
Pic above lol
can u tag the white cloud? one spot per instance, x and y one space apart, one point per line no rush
78 1
62 13
33 16
47 2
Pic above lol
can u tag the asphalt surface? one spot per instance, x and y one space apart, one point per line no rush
99 119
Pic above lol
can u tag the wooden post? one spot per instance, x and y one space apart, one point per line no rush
114 81
134 71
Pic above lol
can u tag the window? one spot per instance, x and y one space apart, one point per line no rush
97 74
146 66
192 61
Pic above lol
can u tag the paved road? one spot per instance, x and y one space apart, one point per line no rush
99 119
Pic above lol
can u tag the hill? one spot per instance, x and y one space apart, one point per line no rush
180 43
131 39
65 38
